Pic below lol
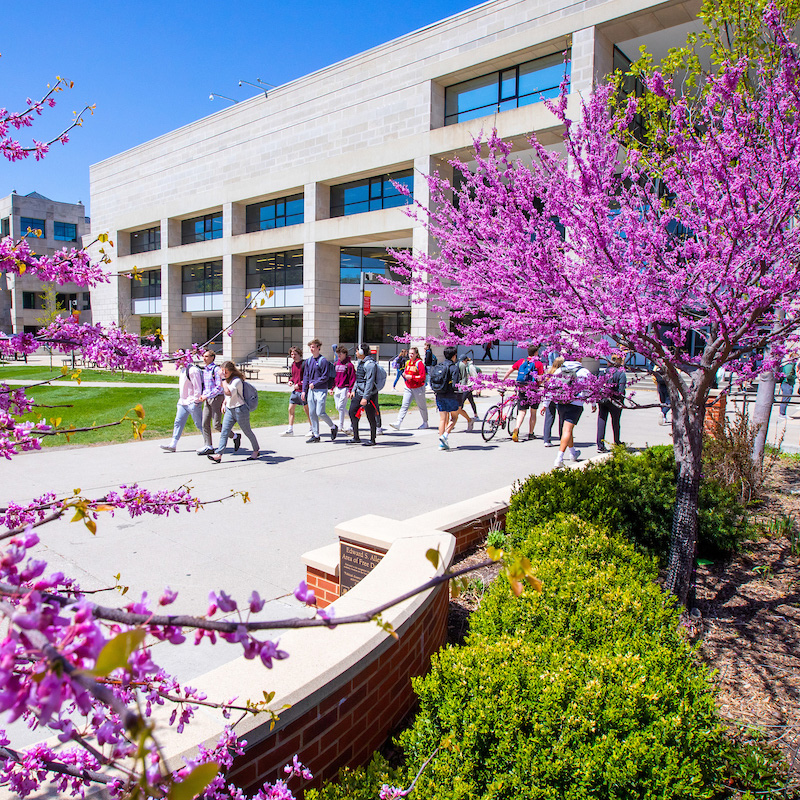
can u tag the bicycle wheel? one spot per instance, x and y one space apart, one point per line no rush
491 423
511 416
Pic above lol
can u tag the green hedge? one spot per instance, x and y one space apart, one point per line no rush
631 494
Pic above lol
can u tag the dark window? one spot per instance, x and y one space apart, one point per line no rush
32 300
275 213
380 327
355 260
631 86
509 88
149 285
202 278
86 301
5 227
69 302
65 232
146 240
200 229
279 331
32 223
370 194
275 270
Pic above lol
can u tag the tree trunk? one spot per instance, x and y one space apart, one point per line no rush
687 434
760 420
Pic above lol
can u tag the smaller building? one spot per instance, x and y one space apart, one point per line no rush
50 226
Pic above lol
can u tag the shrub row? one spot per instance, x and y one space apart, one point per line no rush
633 495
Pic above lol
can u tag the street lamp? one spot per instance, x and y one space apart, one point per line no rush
224 97
370 276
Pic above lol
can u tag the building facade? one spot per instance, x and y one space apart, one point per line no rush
49 226
295 190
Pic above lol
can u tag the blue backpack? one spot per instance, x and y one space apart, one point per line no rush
527 371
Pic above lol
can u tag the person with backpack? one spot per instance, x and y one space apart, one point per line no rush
190 390
399 363
788 378
364 397
237 409
529 371
444 379
212 398
414 377
318 376
429 357
569 405
612 407
296 382
343 383
469 373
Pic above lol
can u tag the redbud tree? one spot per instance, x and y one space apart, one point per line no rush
597 248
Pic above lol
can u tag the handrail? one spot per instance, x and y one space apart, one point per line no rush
257 352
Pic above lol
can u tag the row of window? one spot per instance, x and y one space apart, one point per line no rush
76 301
271 270
62 231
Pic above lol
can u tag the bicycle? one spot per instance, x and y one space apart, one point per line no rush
502 415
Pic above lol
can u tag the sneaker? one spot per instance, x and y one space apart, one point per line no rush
167 448
558 463
237 441
368 443
470 424
394 425
353 441
515 435
288 432
551 444
334 432
205 451
443 446
380 430
574 454
443 443
423 427
476 418
313 440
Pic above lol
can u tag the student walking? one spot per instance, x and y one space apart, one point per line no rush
399 364
444 378
190 390
429 357
297 367
414 376
317 379
612 407
469 373
788 378
529 371
343 383
550 409
212 398
363 398
569 410
236 411
663 394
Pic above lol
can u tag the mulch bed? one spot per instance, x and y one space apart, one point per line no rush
750 624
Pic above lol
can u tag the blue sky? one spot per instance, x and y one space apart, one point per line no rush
149 67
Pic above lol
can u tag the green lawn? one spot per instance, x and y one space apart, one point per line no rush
94 406
10 374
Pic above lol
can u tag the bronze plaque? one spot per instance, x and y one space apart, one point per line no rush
356 561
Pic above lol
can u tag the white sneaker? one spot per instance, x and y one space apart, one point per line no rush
423 427
380 430
575 454
167 448
289 432
476 418
559 462
470 424
443 443
394 425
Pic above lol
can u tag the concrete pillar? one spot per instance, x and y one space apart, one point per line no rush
6 325
424 322
243 336
321 294
592 59
170 232
176 325
234 219
316 202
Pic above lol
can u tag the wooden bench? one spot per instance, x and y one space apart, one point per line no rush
251 374
281 376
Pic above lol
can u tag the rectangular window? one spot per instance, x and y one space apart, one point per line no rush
202 278
275 270
379 327
65 232
371 194
33 224
200 229
86 301
146 240
509 88
275 213
32 300
148 285
355 260
5 227
631 86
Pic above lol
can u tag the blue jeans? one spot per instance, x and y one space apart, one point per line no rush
240 414
786 392
195 411
316 410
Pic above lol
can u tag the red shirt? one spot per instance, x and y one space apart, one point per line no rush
297 375
414 373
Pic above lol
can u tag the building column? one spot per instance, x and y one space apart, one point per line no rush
316 202
321 294
6 322
592 60
176 325
425 323
242 340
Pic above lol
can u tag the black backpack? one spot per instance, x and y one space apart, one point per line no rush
441 379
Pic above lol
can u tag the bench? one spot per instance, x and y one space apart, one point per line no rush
251 374
281 376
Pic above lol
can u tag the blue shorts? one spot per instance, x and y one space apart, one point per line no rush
294 399
448 402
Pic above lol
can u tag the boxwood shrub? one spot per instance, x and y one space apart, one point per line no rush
630 494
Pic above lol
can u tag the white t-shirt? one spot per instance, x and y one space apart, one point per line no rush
235 398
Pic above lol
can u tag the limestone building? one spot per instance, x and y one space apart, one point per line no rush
22 299
293 189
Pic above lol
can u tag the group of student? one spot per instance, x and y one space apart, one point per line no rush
218 396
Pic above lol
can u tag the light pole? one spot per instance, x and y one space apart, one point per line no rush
370 276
